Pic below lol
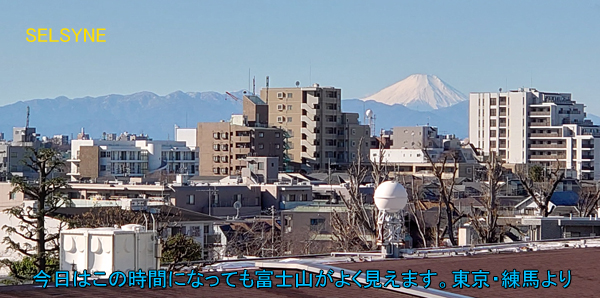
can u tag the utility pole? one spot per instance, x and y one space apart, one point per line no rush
272 230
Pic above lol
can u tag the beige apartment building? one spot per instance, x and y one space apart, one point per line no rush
224 146
319 132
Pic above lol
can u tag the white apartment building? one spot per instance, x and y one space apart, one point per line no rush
528 126
92 159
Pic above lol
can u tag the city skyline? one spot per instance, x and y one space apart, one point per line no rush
358 47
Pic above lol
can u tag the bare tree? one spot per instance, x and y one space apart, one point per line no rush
446 187
540 184
254 239
379 168
486 223
45 193
589 200
355 229
415 206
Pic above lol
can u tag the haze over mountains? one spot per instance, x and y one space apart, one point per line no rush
416 100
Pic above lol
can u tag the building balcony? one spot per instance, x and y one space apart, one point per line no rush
587 156
587 168
544 146
241 139
548 157
544 123
546 135
538 113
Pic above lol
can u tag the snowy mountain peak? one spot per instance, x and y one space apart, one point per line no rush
419 92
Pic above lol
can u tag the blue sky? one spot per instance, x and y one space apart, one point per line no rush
359 46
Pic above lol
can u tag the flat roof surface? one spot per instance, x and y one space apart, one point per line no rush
583 263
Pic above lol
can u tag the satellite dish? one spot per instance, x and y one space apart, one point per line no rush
500 90
369 113
297 83
237 205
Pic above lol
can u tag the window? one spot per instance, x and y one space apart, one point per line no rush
291 197
493 112
216 158
289 107
261 146
353 143
492 101
280 107
195 231
279 119
224 135
224 171
289 95
216 170
277 135
493 122
277 146
492 133
289 119
223 158
102 167
216 147
304 197
191 200
280 95
316 224
261 165
216 135
13 195
224 147
261 134
353 131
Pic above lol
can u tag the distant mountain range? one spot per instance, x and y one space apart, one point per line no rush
142 112
416 100
419 92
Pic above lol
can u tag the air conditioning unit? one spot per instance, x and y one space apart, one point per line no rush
280 94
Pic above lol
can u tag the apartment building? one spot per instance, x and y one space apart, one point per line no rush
12 153
225 146
93 159
528 126
320 133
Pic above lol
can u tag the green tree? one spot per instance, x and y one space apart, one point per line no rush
40 244
180 248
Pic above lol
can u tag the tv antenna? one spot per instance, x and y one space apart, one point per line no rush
27 122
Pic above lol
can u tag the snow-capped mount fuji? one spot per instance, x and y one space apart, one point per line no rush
419 92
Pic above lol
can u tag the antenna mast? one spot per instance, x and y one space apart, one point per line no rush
267 99
27 123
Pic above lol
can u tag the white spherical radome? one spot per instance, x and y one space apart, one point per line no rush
390 196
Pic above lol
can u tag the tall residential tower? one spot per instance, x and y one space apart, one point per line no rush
528 126
320 133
